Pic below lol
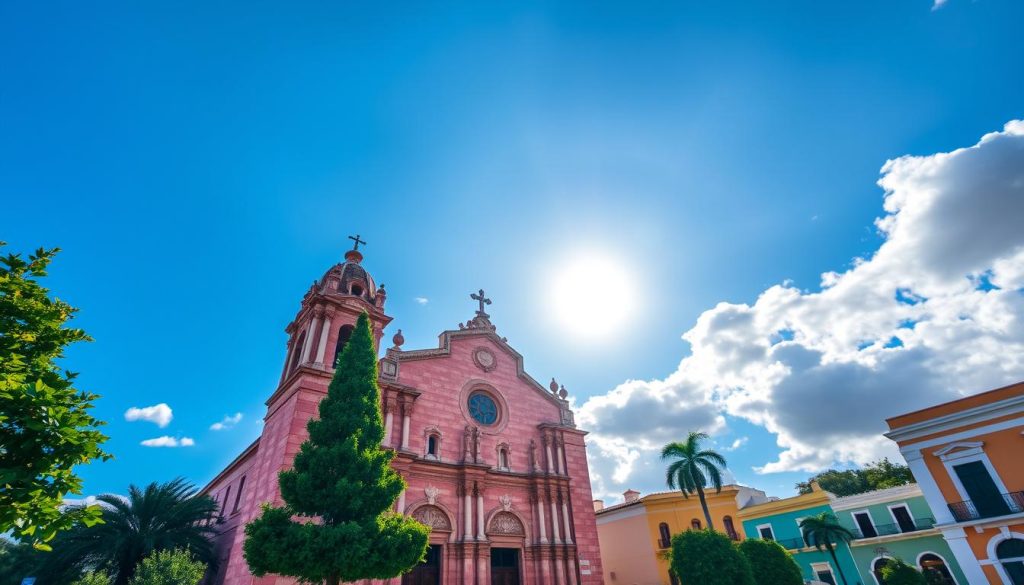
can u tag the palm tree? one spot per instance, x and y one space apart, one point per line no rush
821 530
162 516
693 469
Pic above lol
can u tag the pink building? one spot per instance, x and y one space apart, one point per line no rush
494 462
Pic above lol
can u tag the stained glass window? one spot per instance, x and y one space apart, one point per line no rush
483 409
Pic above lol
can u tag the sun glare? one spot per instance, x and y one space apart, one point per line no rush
593 295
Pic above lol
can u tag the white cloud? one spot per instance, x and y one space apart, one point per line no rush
935 313
736 444
167 441
227 422
160 414
939 4
422 300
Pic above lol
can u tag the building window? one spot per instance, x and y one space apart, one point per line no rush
904 521
238 496
730 529
864 523
483 408
985 499
433 446
765 532
343 336
1011 556
876 569
935 569
695 524
503 458
823 572
357 290
665 538
224 505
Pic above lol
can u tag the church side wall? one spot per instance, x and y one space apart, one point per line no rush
588 548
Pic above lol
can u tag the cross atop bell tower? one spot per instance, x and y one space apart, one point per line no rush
483 300
354 255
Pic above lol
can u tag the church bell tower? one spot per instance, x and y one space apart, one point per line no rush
327 317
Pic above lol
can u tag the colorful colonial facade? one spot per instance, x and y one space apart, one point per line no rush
779 520
494 462
896 523
633 533
968 457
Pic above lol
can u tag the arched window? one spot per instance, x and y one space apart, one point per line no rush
343 336
297 350
695 524
1011 556
730 529
357 290
503 458
666 539
935 569
876 569
433 446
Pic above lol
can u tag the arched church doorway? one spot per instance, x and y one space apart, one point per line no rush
504 566
428 572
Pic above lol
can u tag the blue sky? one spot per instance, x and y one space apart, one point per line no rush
201 163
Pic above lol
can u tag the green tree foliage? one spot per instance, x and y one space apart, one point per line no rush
93 578
823 531
343 487
160 517
169 567
45 425
897 572
693 469
770 563
874 476
706 557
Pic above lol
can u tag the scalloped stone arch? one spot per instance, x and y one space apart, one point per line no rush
434 512
497 513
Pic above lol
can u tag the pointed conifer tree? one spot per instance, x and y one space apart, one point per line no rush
337 525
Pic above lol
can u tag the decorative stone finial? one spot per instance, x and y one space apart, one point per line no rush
398 339
554 386
563 393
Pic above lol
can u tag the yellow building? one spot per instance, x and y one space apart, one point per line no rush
632 533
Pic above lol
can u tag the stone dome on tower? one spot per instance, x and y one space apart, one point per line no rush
349 278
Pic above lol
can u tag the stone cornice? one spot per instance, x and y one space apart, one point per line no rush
882 496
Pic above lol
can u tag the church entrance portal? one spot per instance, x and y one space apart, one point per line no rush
428 572
504 566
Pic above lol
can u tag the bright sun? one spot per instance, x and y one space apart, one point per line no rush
593 295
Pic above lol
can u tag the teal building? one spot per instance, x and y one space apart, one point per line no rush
779 520
896 523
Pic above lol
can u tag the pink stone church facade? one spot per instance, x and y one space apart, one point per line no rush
493 460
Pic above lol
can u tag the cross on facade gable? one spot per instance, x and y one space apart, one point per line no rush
357 241
483 300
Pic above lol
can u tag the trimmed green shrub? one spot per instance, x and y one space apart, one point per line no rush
896 572
168 567
93 578
770 563
706 557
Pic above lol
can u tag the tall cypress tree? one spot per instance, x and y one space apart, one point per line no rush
341 489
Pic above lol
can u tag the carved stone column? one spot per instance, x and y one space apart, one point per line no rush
538 503
407 403
324 332
481 533
308 344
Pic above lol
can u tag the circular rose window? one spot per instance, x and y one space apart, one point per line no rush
483 409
